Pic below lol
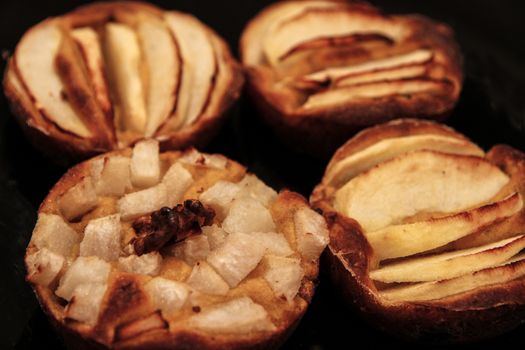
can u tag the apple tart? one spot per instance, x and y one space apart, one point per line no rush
180 250
109 74
321 70
427 231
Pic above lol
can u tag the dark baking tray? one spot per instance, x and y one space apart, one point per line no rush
491 110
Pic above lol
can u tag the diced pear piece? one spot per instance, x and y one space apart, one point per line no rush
143 202
146 264
408 239
145 164
44 266
204 279
88 41
246 215
441 289
274 243
83 270
124 63
167 295
345 94
237 257
384 150
78 200
195 158
198 67
114 178
333 74
53 233
192 249
421 181
102 238
239 315
162 61
284 275
220 197
258 190
85 302
177 181
450 265
216 236
311 233
35 61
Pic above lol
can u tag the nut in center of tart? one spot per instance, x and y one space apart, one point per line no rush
170 225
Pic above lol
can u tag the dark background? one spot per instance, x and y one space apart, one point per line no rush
491 110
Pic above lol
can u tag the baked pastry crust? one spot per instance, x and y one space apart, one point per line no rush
471 314
86 85
306 99
128 316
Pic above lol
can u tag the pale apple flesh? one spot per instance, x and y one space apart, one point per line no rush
419 181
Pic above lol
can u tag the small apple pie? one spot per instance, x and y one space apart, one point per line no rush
427 231
108 74
182 250
321 70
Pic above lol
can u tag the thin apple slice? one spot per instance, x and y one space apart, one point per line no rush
380 65
198 68
124 64
345 94
142 325
407 72
327 22
418 182
440 289
450 265
386 149
163 64
35 62
88 41
404 240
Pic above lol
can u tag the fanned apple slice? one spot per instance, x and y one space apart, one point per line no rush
198 68
440 289
35 62
124 63
345 94
403 60
386 149
450 265
163 64
88 41
404 240
404 72
420 181
326 22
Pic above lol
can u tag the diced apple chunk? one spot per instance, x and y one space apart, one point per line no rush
239 315
85 302
192 249
145 164
146 264
53 233
142 202
237 257
44 266
220 197
216 236
166 295
274 243
83 270
284 275
258 190
114 179
177 180
195 158
311 233
247 215
102 238
204 279
78 200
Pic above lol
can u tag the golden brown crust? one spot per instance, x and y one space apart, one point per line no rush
320 130
468 316
64 147
126 301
